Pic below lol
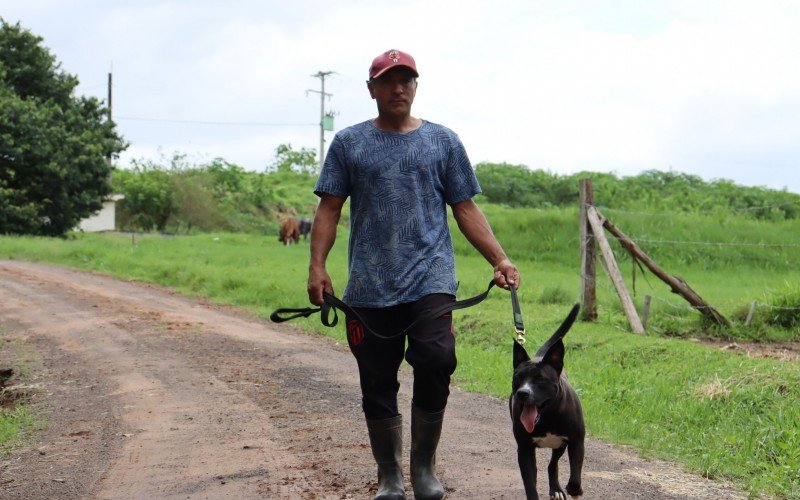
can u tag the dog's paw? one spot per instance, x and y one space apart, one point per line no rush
574 490
558 495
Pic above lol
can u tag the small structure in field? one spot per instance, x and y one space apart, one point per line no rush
105 219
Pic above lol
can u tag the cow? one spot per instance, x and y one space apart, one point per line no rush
290 231
305 226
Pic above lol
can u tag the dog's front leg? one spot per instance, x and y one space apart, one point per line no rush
526 456
556 493
575 452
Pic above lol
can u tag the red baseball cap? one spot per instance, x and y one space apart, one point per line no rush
391 59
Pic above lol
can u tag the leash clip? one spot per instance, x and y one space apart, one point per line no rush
519 327
520 337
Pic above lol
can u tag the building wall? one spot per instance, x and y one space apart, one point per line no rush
104 220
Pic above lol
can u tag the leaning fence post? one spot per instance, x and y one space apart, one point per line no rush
588 255
613 271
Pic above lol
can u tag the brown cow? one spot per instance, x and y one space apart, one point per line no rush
290 231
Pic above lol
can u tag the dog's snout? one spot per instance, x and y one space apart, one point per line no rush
524 393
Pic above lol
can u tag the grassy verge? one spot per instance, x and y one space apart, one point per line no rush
15 424
721 414
17 419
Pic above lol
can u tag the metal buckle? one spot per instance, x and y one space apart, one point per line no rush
520 336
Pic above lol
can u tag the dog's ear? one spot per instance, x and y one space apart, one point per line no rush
555 356
520 355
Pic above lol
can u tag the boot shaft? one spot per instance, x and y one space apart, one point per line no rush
386 441
426 429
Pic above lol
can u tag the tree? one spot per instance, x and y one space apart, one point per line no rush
149 197
54 146
287 160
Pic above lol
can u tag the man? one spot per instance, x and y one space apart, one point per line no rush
400 173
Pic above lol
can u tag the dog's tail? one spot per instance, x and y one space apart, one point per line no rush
562 330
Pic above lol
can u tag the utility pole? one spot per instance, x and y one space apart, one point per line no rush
109 96
322 122
108 158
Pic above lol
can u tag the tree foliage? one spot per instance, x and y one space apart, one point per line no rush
288 160
54 146
173 195
149 197
652 190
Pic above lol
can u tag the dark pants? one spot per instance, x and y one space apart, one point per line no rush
431 352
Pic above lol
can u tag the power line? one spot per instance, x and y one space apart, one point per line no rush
206 122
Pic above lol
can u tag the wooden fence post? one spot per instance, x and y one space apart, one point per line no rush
750 314
646 310
588 255
613 271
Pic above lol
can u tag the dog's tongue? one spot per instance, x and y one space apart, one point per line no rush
528 417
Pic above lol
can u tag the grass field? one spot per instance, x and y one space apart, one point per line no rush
721 414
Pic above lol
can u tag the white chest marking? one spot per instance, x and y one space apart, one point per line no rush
549 441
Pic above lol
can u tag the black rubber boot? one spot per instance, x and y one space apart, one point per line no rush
426 428
386 439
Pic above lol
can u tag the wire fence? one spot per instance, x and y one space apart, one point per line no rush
754 208
654 294
657 291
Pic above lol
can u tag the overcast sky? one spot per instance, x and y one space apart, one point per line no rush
710 88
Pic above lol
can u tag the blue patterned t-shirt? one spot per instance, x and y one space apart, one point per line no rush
399 187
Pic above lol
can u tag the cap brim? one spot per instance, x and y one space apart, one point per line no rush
393 66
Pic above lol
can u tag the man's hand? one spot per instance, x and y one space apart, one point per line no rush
506 274
318 280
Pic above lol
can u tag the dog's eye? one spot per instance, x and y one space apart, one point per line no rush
542 383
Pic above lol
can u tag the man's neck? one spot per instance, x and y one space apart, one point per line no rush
401 125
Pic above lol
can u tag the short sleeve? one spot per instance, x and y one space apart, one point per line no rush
460 182
334 179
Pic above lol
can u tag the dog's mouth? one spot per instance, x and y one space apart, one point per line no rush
529 417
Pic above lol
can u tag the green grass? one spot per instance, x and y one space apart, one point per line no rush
15 425
721 414
17 420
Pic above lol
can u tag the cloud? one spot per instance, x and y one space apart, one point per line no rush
706 87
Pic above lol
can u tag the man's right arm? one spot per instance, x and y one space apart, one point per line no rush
323 235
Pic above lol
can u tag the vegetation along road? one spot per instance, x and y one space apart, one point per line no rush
148 394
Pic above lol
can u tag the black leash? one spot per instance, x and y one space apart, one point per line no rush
332 303
519 327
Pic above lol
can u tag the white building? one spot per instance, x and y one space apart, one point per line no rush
104 220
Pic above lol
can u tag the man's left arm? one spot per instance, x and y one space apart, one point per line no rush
472 222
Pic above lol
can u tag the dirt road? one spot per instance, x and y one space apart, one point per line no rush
153 395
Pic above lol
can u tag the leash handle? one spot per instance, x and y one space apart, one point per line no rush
277 315
280 315
519 327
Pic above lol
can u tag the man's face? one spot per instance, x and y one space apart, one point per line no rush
394 91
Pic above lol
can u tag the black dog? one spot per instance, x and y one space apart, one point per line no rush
546 413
